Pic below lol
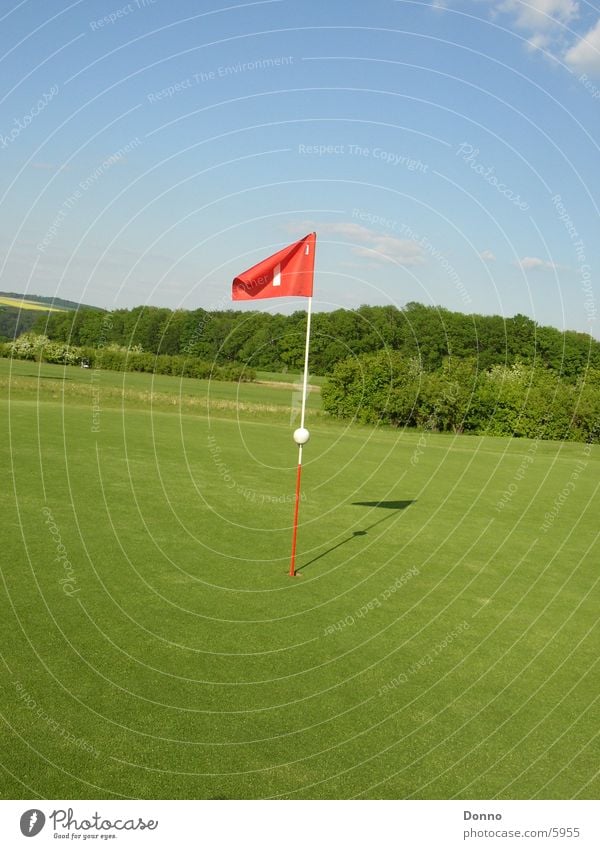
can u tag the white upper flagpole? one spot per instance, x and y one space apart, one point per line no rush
301 437
305 380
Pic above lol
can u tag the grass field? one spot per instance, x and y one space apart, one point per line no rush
439 642
24 304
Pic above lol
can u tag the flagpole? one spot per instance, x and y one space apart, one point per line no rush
301 438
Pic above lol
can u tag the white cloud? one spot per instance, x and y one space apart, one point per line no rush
546 24
539 41
369 243
380 247
531 263
584 55
540 15
487 255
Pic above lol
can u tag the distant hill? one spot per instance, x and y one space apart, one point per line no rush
18 313
57 303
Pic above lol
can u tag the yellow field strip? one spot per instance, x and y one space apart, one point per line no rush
27 305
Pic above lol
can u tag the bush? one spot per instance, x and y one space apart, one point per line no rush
371 388
502 401
31 346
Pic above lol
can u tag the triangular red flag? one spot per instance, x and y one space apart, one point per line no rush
288 272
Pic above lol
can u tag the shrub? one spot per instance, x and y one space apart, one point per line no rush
504 401
31 346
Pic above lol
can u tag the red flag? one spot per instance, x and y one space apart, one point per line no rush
288 272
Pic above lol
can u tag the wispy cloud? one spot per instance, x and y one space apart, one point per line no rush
533 263
369 243
550 26
538 16
546 24
584 55
487 255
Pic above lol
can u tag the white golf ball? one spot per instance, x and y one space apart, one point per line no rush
301 436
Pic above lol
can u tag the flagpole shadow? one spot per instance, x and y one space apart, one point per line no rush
389 505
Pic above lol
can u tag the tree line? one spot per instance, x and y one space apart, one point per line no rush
275 342
17 320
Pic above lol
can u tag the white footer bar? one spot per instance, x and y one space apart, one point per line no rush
301 824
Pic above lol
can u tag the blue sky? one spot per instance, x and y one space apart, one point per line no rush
445 153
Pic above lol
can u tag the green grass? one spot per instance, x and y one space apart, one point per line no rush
25 380
185 663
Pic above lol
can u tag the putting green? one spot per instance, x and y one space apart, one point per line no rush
439 642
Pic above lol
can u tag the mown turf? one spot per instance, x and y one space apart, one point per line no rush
441 644
24 379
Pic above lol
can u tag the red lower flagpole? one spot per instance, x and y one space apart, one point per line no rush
301 437
296 506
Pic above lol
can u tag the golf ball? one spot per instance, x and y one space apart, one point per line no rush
301 436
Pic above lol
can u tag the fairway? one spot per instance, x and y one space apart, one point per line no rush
440 640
